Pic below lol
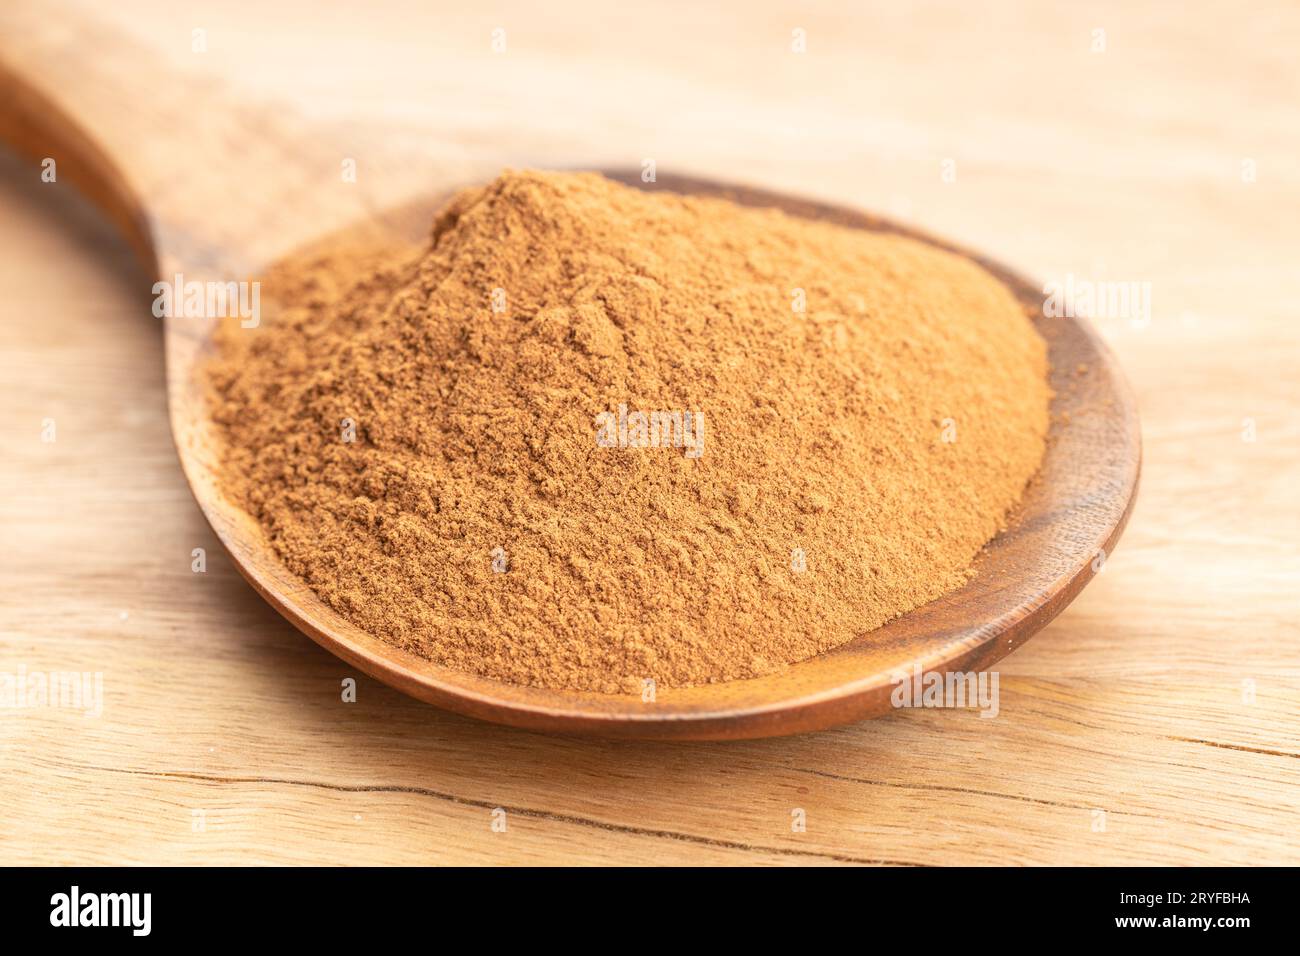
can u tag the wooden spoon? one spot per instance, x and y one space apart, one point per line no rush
204 185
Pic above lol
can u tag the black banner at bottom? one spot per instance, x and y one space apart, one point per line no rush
227 905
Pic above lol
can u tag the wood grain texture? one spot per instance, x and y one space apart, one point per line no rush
1125 165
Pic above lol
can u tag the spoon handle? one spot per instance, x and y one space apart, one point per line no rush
202 176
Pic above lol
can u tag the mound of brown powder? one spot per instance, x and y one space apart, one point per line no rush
446 446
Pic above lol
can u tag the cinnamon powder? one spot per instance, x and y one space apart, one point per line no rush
868 408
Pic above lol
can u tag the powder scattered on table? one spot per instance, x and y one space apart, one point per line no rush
592 435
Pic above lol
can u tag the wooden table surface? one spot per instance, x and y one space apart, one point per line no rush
1156 721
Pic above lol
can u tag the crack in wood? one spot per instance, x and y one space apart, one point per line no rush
526 812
